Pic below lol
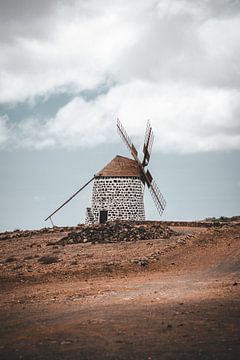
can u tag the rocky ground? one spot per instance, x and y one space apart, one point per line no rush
149 290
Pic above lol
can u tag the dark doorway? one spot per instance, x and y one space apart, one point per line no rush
103 216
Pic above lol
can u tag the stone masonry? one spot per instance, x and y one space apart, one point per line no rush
121 197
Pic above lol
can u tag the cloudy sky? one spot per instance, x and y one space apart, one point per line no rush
68 69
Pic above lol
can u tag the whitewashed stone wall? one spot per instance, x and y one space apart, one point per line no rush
122 197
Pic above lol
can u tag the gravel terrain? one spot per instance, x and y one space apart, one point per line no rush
173 296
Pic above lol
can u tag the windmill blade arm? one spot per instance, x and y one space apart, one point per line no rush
157 196
123 134
67 201
147 146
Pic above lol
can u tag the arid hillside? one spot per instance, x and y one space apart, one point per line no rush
151 290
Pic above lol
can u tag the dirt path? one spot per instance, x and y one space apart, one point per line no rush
185 305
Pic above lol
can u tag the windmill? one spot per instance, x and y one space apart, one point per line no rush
118 189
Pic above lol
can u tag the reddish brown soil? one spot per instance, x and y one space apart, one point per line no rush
174 298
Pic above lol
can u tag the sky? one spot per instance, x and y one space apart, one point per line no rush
69 69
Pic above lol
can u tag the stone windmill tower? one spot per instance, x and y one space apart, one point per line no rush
118 189
117 193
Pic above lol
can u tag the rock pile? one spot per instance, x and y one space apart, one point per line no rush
117 231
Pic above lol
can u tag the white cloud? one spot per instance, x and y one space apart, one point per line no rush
175 62
185 119
77 55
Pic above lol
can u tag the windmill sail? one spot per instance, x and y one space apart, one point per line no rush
146 177
157 196
147 146
127 140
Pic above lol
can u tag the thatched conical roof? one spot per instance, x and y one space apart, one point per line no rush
120 166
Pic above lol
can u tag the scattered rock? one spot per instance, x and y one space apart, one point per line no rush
48 259
29 233
10 259
74 262
66 342
142 262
